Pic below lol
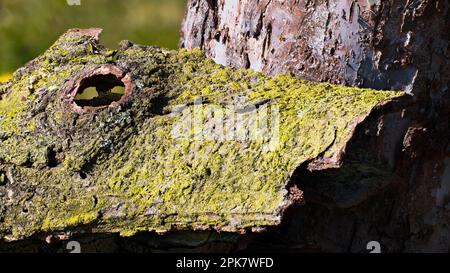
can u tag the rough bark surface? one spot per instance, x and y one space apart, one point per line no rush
392 45
140 162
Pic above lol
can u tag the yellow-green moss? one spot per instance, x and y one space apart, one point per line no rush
122 170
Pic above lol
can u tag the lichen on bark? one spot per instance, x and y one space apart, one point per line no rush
119 168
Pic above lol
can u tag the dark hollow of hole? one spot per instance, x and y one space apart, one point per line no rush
99 90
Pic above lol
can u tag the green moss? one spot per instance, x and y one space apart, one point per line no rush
77 220
123 170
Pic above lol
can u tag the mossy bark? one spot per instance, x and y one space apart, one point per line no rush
127 166
389 44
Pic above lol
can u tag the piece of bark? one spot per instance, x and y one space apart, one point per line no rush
142 163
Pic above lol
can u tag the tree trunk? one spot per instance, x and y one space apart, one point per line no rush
388 45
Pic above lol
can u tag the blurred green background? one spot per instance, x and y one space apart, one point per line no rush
29 27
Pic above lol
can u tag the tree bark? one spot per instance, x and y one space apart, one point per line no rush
388 45
156 159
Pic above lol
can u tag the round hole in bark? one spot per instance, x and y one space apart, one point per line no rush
100 90
105 86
